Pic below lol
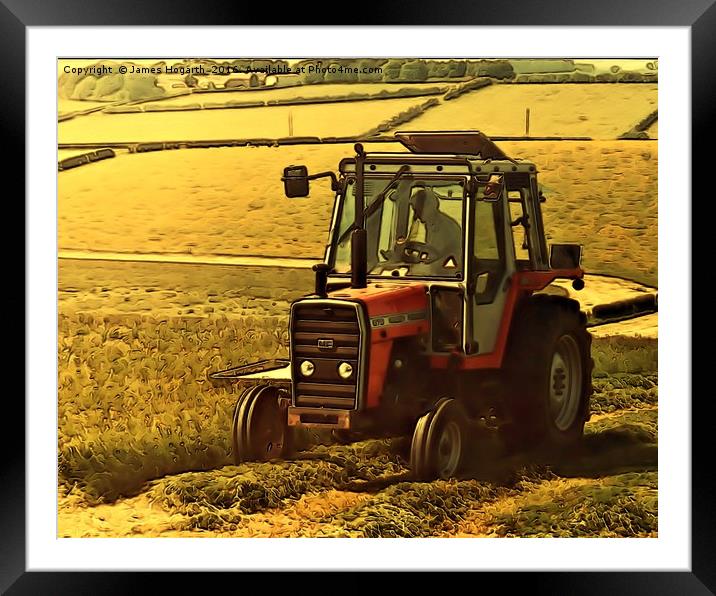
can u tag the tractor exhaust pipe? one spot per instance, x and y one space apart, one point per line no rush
359 261
359 245
321 270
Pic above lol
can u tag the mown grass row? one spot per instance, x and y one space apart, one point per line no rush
625 505
620 354
219 499
135 403
624 392
529 500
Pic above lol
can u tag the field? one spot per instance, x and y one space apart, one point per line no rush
230 201
65 106
596 110
135 406
600 111
178 290
143 436
334 120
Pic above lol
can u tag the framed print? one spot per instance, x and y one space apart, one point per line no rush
312 298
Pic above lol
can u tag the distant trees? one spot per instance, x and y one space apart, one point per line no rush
116 86
538 66
391 70
368 70
111 86
396 70
344 71
269 66
457 68
496 69
414 71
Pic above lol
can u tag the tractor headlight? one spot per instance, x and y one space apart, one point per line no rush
345 370
307 368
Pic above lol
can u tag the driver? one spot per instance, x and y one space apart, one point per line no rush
442 232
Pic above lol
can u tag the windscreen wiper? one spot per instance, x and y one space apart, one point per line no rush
373 207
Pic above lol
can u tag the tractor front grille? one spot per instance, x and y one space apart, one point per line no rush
326 334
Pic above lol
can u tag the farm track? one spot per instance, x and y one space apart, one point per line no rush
189 259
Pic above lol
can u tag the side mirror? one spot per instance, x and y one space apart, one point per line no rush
565 256
295 181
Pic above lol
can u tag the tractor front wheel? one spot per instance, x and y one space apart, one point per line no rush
439 441
260 431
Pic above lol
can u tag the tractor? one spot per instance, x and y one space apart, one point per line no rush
431 315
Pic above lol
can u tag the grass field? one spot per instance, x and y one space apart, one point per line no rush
600 111
230 201
340 119
65 106
134 405
174 290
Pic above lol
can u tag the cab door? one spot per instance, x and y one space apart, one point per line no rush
491 265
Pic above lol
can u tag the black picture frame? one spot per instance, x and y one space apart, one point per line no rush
17 15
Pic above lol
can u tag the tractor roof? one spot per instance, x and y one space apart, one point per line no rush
453 151
458 142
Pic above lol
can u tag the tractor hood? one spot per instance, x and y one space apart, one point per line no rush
396 310
389 303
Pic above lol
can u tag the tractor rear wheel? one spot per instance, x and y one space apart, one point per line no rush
549 373
439 441
260 431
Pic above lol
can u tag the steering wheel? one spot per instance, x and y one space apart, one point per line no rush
414 252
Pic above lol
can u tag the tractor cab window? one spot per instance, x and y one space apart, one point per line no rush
489 249
520 225
526 222
415 231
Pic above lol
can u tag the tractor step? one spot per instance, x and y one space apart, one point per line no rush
319 418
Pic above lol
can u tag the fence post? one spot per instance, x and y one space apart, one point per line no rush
527 122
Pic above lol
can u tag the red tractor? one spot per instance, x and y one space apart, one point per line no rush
429 315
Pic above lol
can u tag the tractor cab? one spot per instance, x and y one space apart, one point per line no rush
454 213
